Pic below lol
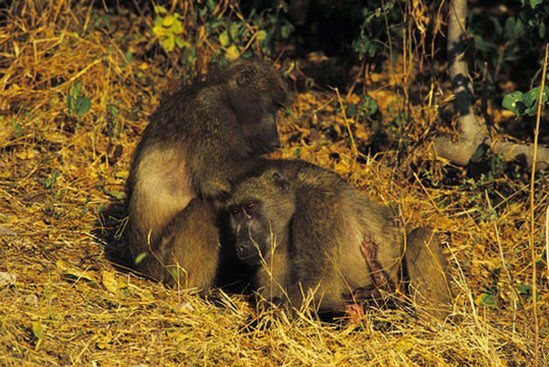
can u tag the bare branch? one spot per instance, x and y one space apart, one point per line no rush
512 151
472 132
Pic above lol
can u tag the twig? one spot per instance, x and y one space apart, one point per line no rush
353 144
532 209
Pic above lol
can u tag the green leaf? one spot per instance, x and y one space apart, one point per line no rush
160 10
224 39
519 27
70 104
119 195
510 27
177 27
113 110
513 27
482 45
168 43
160 31
82 105
175 272
17 127
75 89
212 4
286 30
488 299
534 94
511 100
369 107
234 30
232 53
168 21
182 43
38 330
497 25
524 289
528 99
531 100
535 3
261 35
51 180
351 110
140 258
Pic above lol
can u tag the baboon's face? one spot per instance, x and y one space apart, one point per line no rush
257 93
262 134
260 211
253 234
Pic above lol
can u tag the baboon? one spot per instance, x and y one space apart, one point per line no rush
200 140
308 231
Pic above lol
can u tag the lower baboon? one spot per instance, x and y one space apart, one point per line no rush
311 233
200 140
306 226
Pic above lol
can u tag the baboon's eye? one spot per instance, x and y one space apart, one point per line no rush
250 205
235 210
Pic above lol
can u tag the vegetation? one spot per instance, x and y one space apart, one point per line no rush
78 80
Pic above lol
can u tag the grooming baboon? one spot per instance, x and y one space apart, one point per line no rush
200 140
311 232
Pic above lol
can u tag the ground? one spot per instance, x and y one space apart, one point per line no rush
64 302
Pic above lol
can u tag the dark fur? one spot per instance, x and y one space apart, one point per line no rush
200 140
305 227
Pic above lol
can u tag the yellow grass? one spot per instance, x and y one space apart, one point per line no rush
69 305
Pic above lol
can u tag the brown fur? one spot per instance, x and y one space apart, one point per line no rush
319 225
199 141
427 272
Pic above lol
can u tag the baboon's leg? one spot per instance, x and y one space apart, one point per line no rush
187 254
426 270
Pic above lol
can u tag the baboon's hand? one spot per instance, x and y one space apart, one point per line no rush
355 312
379 275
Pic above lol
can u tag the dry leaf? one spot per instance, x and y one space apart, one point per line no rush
109 281
75 273
7 279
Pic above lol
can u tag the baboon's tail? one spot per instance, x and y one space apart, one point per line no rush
427 277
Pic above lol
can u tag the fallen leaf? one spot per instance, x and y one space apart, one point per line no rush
185 307
119 195
39 332
6 232
122 174
109 281
74 273
7 279
27 153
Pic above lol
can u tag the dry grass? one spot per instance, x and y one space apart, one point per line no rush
70 306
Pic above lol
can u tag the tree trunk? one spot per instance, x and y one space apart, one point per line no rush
472 132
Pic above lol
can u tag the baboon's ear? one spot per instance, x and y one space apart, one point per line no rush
245 76
281 183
